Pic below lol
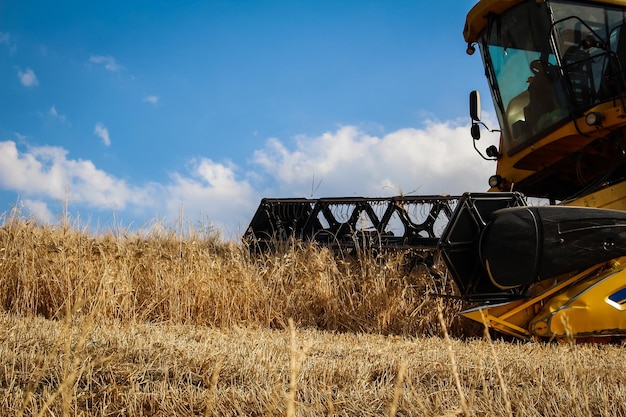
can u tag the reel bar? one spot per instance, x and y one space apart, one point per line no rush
401 222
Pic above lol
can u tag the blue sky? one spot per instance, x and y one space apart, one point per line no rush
131 111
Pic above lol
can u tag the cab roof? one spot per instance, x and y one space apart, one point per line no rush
476 20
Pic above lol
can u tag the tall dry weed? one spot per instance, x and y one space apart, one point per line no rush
192 276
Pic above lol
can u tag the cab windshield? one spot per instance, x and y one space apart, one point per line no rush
549 62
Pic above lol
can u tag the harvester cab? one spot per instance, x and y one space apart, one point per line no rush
557 76
556 71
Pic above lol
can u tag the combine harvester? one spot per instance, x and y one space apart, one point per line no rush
557 75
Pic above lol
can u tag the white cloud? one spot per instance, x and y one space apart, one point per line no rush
436 159
110 64
47 172
38 209
103 133
151 99
209 189
27 78
212 191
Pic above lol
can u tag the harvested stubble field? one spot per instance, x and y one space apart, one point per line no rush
171 322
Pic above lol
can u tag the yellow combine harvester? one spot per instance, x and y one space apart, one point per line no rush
557 75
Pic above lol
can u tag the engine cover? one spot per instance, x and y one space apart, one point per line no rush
523 245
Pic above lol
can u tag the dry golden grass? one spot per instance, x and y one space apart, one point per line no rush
161 369
162 275
160 322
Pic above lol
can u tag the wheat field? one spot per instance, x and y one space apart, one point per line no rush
177 321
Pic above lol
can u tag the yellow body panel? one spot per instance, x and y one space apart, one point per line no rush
576 306
586 309
568 139
513 318
510 318
612 197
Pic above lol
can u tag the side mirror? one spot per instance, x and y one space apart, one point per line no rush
474 106
475 131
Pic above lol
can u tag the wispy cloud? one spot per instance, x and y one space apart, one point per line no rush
28 77
7 40
103 133
154 100
110 64
20 138
55 114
